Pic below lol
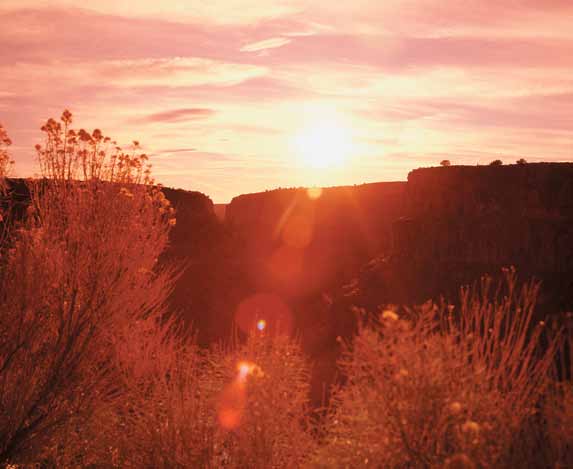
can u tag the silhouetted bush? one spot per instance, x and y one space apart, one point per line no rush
81 270
428 387
5 166
558 404
242 407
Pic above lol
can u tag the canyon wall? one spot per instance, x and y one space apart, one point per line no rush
519 214
444 227
369 244
298 242
460 223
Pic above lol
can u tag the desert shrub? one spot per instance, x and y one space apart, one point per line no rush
6 163
167 417
82 268
5 160
262 408
558 405
92 372
428 388
244 406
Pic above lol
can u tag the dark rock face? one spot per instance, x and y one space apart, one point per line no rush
302 249
297 245
400 242
407 242
203 251
520 214
461 222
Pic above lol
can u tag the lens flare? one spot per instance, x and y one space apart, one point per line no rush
314 193
244 368
233 399
231 405
298 230
278 318
261 325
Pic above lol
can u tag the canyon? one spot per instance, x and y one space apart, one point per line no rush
320 254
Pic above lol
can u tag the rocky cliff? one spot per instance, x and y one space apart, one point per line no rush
462 222
408 242
519 214
299 242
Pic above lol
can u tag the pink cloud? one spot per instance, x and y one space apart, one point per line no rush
265 44
178 115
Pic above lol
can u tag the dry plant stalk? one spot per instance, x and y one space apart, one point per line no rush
558 405
6 163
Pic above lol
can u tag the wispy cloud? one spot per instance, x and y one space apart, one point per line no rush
271 43
178 150
178 115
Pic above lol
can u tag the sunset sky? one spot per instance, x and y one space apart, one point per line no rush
236 96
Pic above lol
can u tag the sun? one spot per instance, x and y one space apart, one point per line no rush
324 144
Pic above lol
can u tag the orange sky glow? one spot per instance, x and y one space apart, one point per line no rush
239 96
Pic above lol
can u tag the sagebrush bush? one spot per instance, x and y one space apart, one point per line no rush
264 405
558 405
81 268
428 388
167 419
246 406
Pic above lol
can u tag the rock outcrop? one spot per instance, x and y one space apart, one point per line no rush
492 215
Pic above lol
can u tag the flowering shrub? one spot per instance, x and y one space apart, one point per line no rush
430 388
5 161
263 409
244 407
81 269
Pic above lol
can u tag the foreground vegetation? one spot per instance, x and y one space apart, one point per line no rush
94 371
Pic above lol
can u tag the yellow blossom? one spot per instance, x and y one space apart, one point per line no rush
455 408
389 314
470 426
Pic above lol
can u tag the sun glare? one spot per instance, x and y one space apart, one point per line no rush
314 192
244 368
325 144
